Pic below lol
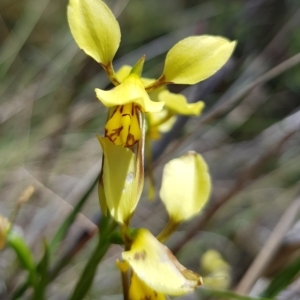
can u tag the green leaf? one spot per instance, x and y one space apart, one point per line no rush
62 231
283 279
60 234
86 279
224 294
17 243
43 272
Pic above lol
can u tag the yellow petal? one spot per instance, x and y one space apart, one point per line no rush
178 104
161 121
185 186
196 58
131 90
217 269
122 180
139 290
123 72
157 267
95 29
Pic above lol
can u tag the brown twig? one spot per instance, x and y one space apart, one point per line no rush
269 250
242 181
231 101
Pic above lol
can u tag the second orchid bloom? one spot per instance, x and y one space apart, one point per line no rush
138 107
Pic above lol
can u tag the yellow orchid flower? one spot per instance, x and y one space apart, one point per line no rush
191 60
163 120
157 268
97 33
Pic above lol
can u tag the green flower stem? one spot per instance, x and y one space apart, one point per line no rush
167 231
88 274
39 293
17 243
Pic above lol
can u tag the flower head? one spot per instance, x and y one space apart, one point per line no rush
155 265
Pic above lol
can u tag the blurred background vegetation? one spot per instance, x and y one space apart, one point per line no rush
248 133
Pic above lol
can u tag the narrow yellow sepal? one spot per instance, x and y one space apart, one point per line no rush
157 267
95 29
122 180
131 90
178 104
185 186
196 58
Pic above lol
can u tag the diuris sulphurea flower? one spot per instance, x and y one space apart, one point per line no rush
135 103
191 60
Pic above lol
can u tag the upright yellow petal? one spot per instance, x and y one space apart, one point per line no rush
178 104
131 90
157 267
122 180
196 58
123 72
185 186
95 29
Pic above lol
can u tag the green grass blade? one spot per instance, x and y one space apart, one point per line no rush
43 272
62 231
86 279
224 294
283 279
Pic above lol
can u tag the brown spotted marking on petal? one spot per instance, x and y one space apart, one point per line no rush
130 140
140 255
114 134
